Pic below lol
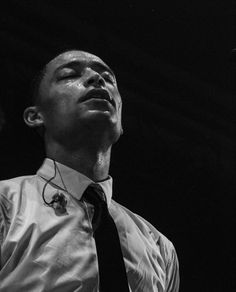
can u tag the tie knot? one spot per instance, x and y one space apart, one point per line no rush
94 194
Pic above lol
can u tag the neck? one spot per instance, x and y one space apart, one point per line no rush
94 163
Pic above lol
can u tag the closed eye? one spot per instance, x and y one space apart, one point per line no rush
68 76
67 73
108 77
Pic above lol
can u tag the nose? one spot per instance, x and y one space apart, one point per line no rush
94 79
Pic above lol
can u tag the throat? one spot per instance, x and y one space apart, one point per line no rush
94 165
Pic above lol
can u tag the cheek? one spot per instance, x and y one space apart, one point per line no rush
116 95
119 105
63 100
72 90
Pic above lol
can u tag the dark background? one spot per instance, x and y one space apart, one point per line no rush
175 163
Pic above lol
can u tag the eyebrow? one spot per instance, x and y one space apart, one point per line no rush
94 64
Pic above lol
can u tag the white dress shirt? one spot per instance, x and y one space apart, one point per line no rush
42 250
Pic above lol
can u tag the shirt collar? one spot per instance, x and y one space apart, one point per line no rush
70 180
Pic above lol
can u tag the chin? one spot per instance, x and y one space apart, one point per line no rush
100 116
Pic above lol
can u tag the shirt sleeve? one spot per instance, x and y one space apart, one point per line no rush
172 271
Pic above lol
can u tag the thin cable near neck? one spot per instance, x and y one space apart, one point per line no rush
47 182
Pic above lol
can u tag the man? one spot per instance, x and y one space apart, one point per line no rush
46 226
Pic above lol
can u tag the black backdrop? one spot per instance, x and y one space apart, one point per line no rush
174 165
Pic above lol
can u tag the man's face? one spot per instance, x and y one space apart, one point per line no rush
79 90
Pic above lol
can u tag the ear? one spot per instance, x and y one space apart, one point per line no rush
32 117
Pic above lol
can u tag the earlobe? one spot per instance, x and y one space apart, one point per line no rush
33 117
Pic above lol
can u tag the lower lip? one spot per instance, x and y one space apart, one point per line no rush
99 103
98 100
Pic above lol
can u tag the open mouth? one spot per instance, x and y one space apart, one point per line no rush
98 94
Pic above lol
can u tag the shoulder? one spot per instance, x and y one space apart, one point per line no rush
149 231
11 188
11 193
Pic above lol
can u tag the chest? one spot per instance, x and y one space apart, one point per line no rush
61 250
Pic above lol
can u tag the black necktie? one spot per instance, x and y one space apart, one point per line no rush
112 273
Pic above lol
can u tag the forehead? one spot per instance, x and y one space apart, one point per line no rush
72 56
